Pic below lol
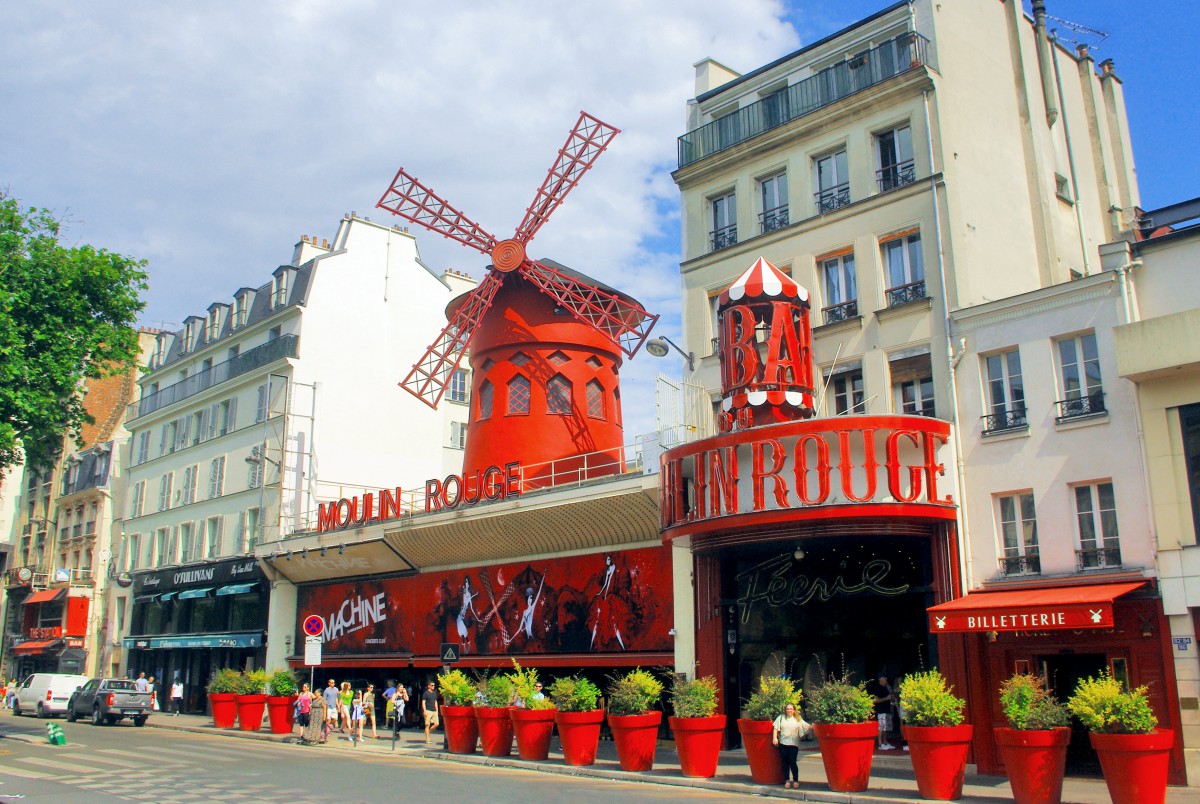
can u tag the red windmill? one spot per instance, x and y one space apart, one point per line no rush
545 342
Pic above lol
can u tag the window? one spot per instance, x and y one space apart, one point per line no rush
138 500
895 155
191 333
1005 393
833 182
132 553
162 545
848 393
260 410
595 399
188 488
214 324
198 425
775 108
773 196
216 477
164 491
558 395
723 214
187 546
1079 367
841 290
274 333
228 415
904 269
1062 187
912 384
485 400
458 385
214 526
1018 534
232 352
518 396
1096 511
458 435
254 468
241 309
1189 425
252 526
279 289
143 447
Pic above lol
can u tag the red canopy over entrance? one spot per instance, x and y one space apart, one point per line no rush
34 646
45 596
1038 609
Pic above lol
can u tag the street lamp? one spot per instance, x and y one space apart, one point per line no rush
659 348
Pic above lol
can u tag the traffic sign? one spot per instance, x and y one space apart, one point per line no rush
312 651
450 652
314 625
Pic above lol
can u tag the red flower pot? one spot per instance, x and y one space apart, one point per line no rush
250 711
462 730
846 751
1035 761
939 758
224 709
1135 765
579 733
281 713
533 729
636 737
698 741
765 765
495 730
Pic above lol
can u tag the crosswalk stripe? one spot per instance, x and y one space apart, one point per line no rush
124 752
67 766
187 753
12 770
120 763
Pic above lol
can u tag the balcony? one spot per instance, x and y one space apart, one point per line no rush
1021 565
724 237
891 58
895 176
832 198
257 357
1081 407
1098 558
1005 421
903 294
773 219
840 312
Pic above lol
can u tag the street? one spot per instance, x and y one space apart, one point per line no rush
124 763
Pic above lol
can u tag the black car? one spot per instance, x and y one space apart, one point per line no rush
107 700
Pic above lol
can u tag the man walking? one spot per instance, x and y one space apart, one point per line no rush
176 696
331 705
881 693
142 684
429 709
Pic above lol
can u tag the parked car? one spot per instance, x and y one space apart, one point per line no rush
46 694
108 700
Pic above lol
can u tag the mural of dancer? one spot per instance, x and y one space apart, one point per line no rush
466 609
610 610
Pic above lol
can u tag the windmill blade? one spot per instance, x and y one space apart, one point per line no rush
428 379
584 145
626 323
413 201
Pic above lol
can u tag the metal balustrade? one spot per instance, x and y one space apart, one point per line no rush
840 312
832 198
1004 421
903 294
1098 557
1090 405
1021 565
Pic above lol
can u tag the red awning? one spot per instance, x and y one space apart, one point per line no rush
46 596
34 646
1052 608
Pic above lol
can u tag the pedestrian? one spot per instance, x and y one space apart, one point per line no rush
177 696
141 683
399 700
3 694
368 705
331 706
152 688
345 698
357 717
314 732
786 733
429 709
882 695
303 710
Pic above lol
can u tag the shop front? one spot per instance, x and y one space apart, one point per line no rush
191 621
55 625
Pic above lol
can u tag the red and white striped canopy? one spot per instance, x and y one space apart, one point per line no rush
762 280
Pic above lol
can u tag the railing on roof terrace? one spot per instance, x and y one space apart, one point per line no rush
257 357
891 58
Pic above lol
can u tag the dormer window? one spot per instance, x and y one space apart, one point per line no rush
279 289
241 309
212 326
189 334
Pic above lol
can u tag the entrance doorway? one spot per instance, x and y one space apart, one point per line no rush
1062 672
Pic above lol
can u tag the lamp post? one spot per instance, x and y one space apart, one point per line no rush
659 348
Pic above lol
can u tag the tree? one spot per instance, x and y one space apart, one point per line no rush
66 315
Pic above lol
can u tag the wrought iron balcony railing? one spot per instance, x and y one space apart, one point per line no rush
832 198
1098 557
1005 420
724 237
269 352
1090 405
1021 565
773 219
891 58
840 312
894 176
903 294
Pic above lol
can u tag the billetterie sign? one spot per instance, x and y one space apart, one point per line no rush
493 483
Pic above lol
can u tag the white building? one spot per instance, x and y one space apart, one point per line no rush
283 396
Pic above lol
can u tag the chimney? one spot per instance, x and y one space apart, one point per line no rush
1107 67
1082 51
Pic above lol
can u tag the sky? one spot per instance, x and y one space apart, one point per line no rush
208 137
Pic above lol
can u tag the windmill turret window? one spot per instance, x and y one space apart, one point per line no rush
519 359
558 358
595 399
518 396
558 395
485 400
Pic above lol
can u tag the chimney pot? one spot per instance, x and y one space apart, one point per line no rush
303 238
1107 66
1082 50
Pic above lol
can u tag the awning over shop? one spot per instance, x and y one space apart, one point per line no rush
1037 609
188 594
33 647
46 596
237 589
165 596
144 598
251 639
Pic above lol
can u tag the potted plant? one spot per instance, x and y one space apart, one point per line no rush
843 718
699 731
533 716
1034 745
222 697
763 706
251 699
492 701
578 715
938 740
283 688
1135 754
458 712
634 725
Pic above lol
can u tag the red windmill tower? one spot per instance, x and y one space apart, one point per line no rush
545 342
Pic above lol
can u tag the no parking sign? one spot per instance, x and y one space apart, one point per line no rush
314 625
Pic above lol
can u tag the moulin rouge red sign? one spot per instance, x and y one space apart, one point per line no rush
599 603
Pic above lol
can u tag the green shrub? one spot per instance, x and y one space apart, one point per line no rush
926 701
456 688
284 682
633 693
772 695
252 683
837 700
496 690
694 698
1104 705
226 680
1028 705
524 683
575 694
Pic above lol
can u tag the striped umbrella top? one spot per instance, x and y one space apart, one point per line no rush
762 280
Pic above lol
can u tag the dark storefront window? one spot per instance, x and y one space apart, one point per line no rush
246 612
206 616
155 619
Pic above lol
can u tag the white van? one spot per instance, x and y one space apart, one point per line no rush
46 694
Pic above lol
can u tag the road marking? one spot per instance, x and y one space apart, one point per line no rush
188 753
67 766
120 763
13 770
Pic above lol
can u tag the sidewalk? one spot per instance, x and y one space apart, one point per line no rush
892 779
